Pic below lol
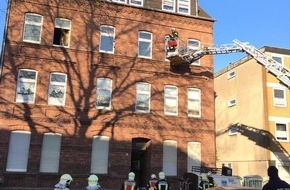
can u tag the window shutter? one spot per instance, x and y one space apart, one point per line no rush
170 157
193 155
100 154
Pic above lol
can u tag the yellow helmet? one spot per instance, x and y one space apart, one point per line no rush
153 176
161 175
65 179
131 176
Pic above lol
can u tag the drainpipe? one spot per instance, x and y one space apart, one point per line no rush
3 40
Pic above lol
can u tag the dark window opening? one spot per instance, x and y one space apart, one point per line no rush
61 37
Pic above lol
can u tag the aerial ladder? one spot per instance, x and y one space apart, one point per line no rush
179 55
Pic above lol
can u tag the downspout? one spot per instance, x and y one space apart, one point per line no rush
4 38
196 7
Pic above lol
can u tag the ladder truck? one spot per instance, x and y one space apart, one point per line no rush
179 55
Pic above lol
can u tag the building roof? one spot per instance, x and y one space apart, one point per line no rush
246 58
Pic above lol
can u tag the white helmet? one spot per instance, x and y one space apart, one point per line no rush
93 180
65 179
131 176
161 175
153 176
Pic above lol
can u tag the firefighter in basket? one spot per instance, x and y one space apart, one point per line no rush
173 37
93 183
64 182
130 183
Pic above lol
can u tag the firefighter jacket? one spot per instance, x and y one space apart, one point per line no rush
162 184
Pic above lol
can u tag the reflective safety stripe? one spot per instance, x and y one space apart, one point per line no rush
162 185
129 185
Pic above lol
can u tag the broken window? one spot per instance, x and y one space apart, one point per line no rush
61 32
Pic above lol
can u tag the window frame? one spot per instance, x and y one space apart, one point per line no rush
171 96
193 99
136 4
62 28
104 89
232 102
18 151
61 84
193 49
100 168
26 23
169 160
231 74
183 4
276 101
106 35
50 153
286 132
143 40
274 56
25 81
173 2
120 1
144 93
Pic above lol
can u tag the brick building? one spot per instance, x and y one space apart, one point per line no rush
86 88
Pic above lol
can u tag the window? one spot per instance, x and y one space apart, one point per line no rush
193 155
184 6
170 100
57 89
231 102
18 151
233 131
282 132
170 157
100 155
61 32
278 59
136 2
104 91
145 45
168 5
120 1
193 46
279 97
26 86
143 97
193 102
107 39
231 74
32 28
50 153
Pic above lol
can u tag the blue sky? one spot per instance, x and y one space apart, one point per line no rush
259 22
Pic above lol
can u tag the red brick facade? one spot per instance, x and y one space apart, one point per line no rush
78 121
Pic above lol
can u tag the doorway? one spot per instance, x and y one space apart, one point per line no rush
140 160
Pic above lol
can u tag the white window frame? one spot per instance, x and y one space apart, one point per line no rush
279 102
275 57
59 24
56 87
107 32
18 151
143 89
120 1
233 131
50 153
170 93
136 2
34 24
193 155
169 165
232 102
282 134
193 45
193 98
168 5
104 85
231 74
100 154
183 4
147 41
26 87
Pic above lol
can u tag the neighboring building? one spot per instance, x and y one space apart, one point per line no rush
86 88
252 111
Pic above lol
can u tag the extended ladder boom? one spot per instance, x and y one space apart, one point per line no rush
282 73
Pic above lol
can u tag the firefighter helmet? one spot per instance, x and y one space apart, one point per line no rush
93 180
153 176
131 176
65 179
161 175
